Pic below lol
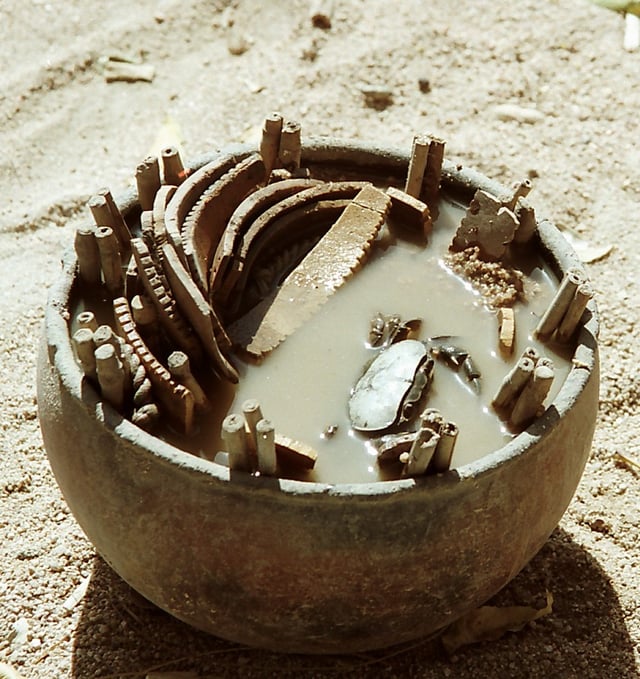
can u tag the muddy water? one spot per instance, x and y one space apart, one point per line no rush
304 385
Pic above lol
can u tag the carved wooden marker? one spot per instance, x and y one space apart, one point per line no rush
176 400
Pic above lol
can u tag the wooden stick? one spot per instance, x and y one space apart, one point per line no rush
559 304
235 440
441 460
84 347
252 415
131 280
172 168
417 165
111 375
144 311
145 317
422 450
519 190
514 383
117 223
86 247
104 334
433 174
506 330
532 396
110 260
178 364
266 447
146 417
103 216
290 145
574 313
148 181
87 319
270 143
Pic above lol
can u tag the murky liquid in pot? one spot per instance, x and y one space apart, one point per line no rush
304 385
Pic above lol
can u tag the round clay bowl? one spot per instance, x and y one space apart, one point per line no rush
308 567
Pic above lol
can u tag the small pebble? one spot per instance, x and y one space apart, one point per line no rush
425 85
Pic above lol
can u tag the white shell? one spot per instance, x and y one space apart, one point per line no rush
379 393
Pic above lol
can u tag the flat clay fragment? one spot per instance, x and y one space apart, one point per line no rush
409 211
320 273
488 224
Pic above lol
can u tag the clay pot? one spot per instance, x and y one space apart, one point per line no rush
307 567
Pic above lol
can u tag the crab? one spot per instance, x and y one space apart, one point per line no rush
456 358
391 387
387 329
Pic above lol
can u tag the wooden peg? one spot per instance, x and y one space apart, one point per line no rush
148 181
270 143
86 247
87 319
266 447
531 398
110 260
417 165
85 347
290 151
178 364
235 440
172 168
552 317
111 375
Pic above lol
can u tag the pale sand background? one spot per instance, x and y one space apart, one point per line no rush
64 132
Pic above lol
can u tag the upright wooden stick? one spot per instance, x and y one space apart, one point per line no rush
235 440
110 375
266 447
148 181
417 165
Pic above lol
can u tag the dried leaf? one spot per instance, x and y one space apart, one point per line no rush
588 252
627 462
489 623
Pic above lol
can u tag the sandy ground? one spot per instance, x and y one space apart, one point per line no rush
65 132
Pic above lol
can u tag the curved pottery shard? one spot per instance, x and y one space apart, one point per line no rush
319 274
380 392
195 308
206 222
250 208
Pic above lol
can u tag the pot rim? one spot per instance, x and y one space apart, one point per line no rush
555 250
